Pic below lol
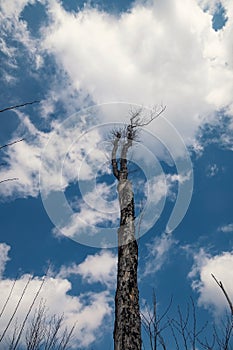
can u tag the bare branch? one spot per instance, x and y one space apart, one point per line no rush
8 298
16 308
7 145
18 106
114 160
28 313
206 344
13 337
12 179
35 333
66 338
139 119
219 283
11 143
152 323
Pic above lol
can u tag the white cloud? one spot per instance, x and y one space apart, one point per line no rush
210 295
158 188
87 310
14 27
163 186
93 218
61 156
24 165
23 160
95 268
13 8
226 228
158 253
4 249
164 51
159 51
181 178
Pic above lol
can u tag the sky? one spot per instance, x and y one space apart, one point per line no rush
90 64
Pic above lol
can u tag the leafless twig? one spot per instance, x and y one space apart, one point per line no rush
12 179
8 298
16 308
18 106
11 143
28 313
142 117
219 283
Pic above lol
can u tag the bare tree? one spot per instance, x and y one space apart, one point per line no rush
46 332
155 324
127 328
185 331
37 330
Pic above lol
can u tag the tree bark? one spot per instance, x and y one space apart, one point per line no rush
127 328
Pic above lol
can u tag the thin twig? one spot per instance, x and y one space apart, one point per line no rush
18 106
28 313
219 283
11 143
12 179
8 298
16 308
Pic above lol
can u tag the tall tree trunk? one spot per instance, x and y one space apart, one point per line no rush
127 329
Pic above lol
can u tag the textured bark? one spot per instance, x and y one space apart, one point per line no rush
127 329
127 333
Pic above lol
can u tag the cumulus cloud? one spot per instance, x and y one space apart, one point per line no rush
159 51
62 155
210 295
100 267
88 311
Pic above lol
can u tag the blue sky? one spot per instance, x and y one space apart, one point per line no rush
89 64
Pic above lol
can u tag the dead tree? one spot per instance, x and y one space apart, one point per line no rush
127 328
37 329
184 330
155 324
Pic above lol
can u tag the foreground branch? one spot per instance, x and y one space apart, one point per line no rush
11 143
219 283
12 179
18 106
